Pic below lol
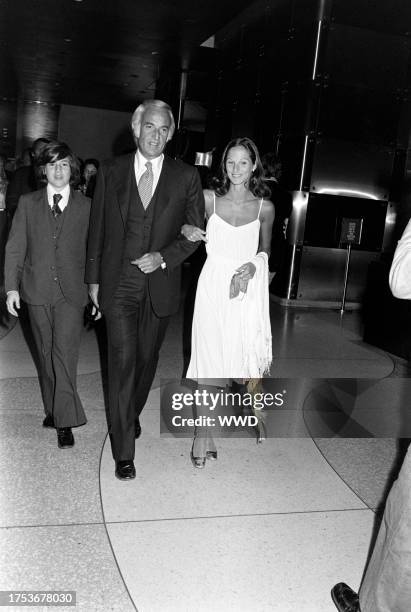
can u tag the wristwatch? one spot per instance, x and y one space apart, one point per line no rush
163 264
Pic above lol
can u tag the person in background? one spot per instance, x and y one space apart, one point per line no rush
89 175
135 252
3 182
25 159
44 266
26 178
386 585
283 204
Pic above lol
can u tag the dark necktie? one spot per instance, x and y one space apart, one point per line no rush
55 209
145 185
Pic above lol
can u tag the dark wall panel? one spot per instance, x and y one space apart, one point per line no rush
362 57
338 164
324 219
359 114
300 52
354 112
380 15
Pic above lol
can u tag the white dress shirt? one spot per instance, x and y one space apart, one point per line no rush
65 194
400 272
140 167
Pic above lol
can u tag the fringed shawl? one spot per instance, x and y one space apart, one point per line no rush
255 324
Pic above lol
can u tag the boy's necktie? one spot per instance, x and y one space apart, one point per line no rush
55 209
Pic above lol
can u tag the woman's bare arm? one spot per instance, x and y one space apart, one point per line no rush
267 219
193 233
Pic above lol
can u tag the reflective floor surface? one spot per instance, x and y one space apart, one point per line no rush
266 527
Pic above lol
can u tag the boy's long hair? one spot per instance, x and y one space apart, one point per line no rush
54 151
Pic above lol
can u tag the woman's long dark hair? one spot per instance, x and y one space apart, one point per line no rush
221 183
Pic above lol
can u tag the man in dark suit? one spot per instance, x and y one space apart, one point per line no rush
134 258
45 261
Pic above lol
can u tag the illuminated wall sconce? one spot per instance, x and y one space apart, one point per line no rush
204 159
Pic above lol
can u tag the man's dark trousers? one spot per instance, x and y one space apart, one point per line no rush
135 335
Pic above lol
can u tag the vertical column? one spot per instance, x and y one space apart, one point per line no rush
35 119
300 100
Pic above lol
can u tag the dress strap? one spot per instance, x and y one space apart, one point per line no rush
259 210
214 200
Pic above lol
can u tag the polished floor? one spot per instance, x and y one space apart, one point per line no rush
268 527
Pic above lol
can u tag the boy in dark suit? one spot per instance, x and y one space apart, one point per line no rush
45 262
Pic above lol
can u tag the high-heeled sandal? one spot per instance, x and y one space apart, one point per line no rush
211 455
260 430
254 386
211 451
198 462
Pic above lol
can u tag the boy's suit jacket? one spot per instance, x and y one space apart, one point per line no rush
34 259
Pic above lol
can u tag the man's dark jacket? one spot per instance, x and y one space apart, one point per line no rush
178 199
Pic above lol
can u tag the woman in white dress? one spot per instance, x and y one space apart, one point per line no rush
231 334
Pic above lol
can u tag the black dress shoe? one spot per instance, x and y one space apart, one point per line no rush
125 470
48 421
137 429
345 598
65 438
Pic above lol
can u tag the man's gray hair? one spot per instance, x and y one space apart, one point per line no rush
158 104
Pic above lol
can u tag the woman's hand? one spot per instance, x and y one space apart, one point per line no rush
241 278
93 289
246 271
193 233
